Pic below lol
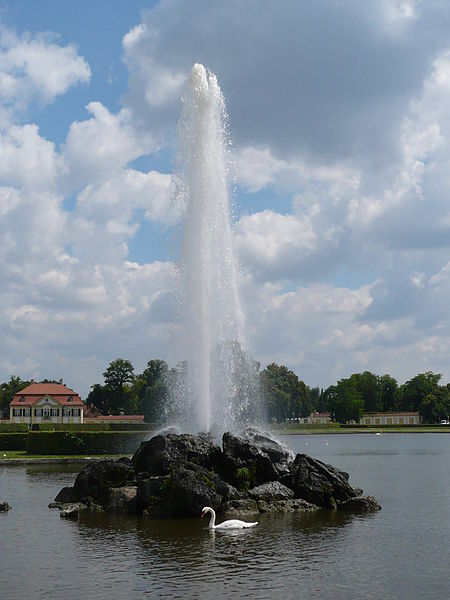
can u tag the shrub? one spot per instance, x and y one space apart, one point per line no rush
13 441
83 442
13 427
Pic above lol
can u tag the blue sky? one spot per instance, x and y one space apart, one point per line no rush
341 150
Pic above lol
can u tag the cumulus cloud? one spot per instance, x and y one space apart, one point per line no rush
349 127
95 148
35 68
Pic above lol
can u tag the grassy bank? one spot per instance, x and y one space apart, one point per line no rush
335 428
22 455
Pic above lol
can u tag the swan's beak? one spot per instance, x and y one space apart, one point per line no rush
203 514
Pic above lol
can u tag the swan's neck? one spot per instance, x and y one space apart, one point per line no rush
212 520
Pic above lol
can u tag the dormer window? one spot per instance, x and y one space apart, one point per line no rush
22 399
70 399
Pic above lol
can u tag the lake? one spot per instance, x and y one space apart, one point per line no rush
400 552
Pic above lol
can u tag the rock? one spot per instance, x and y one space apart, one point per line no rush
150 492
96 479
361 504
4 507
319 483
165 452
244 464
237 508
122 500
286 506
65 496
71 511
187 493
273 490
280 455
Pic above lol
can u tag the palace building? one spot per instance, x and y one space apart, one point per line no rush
46 403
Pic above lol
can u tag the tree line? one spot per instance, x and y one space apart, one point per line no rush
282 393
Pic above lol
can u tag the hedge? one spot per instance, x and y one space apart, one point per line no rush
102 426
70 427
83 442
13 427
13 441
131 426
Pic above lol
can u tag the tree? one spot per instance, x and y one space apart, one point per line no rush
344 401
117 376
99 397
285 394
416 389
368 386
389 393
8 389
153 390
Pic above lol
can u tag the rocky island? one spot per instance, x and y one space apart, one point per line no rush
175 475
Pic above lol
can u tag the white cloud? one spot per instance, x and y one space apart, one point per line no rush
36 68
95 148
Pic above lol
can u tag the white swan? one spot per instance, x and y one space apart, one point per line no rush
231 524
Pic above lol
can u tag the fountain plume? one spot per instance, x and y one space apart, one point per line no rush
215 343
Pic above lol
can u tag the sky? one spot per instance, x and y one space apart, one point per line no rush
340 123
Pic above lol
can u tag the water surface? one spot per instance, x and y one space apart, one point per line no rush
400 552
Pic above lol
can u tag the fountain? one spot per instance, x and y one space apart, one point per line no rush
220 378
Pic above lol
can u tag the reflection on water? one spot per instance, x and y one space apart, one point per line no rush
395 553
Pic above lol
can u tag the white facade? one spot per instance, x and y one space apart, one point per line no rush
46 410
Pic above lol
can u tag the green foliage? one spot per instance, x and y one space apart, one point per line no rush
13 428
345 402
118 379
71 426
208 480
13 441
8 389
83 442
154 391
246 478
285 394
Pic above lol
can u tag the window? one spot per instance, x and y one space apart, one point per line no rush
22 399
70 399
38 412
54 412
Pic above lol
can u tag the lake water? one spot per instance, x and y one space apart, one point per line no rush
400 552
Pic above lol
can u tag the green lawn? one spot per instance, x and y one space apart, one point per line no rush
18 454
299 430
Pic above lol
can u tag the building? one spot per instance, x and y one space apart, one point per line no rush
321 418
394 418
113 418
46 403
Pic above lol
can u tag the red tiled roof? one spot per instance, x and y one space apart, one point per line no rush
34 392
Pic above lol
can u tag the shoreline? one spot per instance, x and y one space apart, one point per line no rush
57 460
365 431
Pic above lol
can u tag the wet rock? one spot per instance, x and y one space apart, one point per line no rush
122 500
4 507
237 508
244 465
150 491
187 493
96 479
360 504
280 455
319 483
273 490
164 452
71 511
286 506
65 496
